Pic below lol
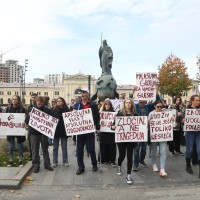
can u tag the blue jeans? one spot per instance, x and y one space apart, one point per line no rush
64 150
191 138
139 152
11 148
162 148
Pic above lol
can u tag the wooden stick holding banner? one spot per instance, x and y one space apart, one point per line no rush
131 129
42 122
79 122
12 124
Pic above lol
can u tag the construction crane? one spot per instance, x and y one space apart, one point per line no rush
1 54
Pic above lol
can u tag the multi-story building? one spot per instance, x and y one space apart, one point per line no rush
11 72
54 78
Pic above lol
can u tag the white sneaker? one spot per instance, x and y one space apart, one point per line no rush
119 171
155 168
129 179
66 164
55 165
162 172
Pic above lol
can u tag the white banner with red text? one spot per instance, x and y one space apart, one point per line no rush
106 121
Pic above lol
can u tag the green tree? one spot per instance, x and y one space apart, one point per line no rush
173 77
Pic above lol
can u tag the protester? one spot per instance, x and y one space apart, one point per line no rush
107 139
162 145
143 109
89 138
60 133
36 138
128 109
15 107
174 146
33 104
192 137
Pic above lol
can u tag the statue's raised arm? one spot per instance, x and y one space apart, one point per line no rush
106 58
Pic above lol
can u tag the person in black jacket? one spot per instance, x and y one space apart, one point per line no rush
89 138
60 133
15 107
36 138
128 109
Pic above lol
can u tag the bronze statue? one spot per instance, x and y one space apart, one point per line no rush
106 58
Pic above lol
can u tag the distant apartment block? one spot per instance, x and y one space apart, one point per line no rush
54 78
10 71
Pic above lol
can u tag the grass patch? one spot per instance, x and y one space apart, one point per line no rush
4 159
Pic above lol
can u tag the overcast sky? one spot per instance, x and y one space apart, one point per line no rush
65 35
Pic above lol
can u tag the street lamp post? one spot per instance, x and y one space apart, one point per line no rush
23 81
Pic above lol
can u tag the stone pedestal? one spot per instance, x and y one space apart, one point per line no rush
106 86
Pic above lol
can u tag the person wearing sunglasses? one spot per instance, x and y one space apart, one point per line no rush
162 145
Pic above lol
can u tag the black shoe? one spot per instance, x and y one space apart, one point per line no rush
143 164
189 169
49 168
79 171
36 169
94 169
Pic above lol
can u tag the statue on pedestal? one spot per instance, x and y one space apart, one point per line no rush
106 85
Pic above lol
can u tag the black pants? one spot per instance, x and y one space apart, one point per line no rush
123 147
175 144
108 152
88 140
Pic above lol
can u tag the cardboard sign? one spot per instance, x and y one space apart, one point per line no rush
174 113
161 128
131 129
146 86
42 122
192 120
12 124
116 103
106 121
79 122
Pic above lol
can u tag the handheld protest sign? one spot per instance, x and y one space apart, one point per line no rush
106 121
131 129
174 113
161 128
42 122
192 120
116 103
146 86
79 122
12 124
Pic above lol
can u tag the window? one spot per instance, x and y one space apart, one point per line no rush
8 100
45 93
1 101
56 92
1 93
8 92
16 93
38 93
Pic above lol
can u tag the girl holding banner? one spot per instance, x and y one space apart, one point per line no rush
107 139
61 107
162 144
15 107
128 109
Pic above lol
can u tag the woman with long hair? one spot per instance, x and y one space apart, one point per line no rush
128 109
107 139
60 133
15 107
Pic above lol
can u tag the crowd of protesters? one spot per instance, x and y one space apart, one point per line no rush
135 151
